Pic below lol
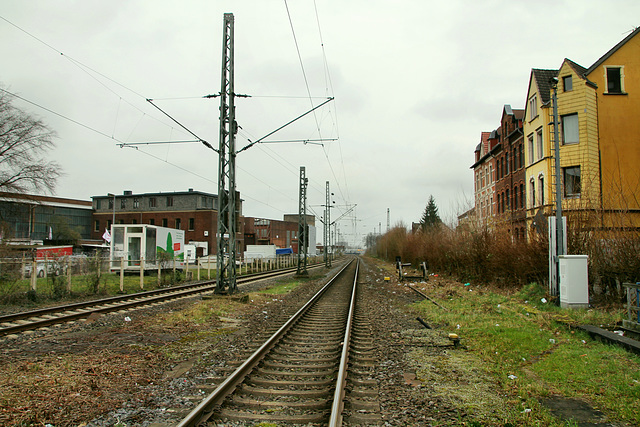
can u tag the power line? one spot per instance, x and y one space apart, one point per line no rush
61 115
83 67
304 74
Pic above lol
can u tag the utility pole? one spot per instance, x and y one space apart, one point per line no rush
303 239
559 225
227 221
327 228
388 222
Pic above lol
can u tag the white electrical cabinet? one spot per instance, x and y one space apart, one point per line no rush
574 281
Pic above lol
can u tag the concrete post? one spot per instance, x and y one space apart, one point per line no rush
68 263
34 274
141 272
122 274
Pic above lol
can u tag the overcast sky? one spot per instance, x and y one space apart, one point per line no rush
415 83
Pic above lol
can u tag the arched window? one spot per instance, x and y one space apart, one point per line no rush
532 192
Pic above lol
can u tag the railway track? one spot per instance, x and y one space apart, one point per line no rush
299 374
42 318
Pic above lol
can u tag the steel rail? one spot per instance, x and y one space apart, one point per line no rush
335 419
137 299
120 306
84 304
205 409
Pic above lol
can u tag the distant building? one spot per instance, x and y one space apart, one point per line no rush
30 219
281 233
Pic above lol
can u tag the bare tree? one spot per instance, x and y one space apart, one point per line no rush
24 144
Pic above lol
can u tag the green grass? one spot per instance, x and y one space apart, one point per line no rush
18 291
281 288
522 336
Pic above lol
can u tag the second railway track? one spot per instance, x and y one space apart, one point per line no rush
42 318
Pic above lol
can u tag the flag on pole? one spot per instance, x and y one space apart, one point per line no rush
107 236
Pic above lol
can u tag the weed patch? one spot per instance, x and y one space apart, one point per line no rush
525 346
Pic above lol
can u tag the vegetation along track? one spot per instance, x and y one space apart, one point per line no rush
45 317
299 375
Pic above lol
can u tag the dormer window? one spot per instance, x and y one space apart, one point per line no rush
567 83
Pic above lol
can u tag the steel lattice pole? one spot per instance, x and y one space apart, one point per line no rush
226 230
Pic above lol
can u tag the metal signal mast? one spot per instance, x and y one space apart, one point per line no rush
303 238
227 220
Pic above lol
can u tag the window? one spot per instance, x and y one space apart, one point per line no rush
507 167
614 79
533 107
109 224
169 201
152 221
98 204
532 192
567 83
165 223
152 202
96 226
522 201
521 149
515 197
192 224
136 203
539 144
531 149
507 200
490 174
570 129
541 189
135 221
123 203
110 203
571 176
178 223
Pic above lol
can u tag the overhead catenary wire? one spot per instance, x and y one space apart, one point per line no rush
85 68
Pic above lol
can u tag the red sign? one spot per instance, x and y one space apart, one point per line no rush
176 246
52 252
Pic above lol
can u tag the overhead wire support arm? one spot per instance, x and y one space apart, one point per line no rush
131 144
285 125
304 141
205 143
239 95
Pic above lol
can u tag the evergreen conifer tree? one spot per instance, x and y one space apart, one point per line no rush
430 217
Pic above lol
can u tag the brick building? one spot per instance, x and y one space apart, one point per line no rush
195 212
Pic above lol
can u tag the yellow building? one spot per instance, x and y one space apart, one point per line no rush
537 140
599 134
578 136
617 77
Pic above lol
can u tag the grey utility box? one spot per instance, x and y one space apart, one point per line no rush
574 281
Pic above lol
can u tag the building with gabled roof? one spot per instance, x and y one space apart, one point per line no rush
616 80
